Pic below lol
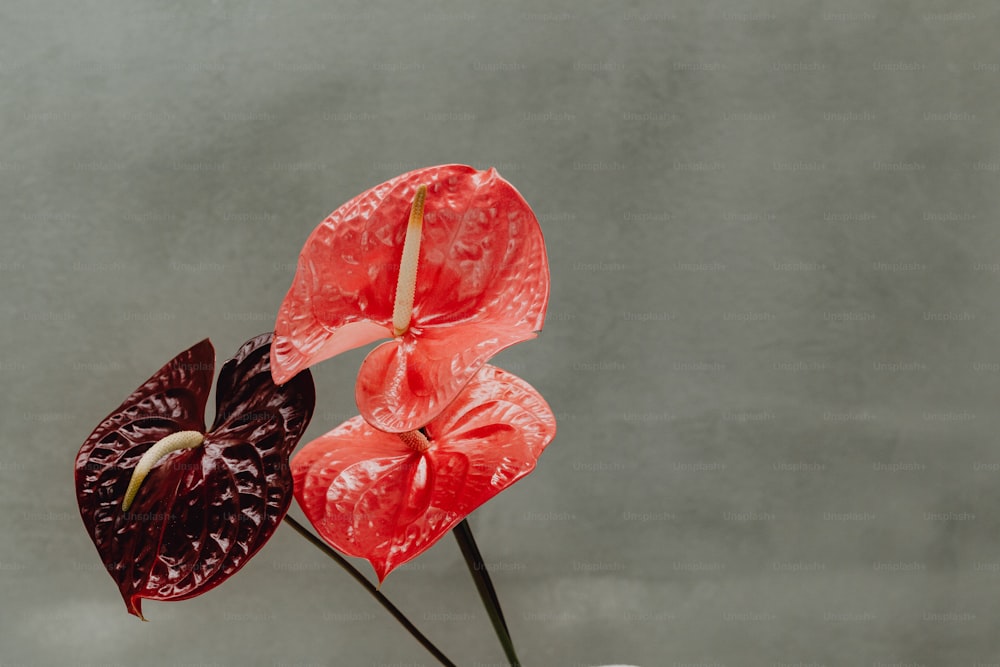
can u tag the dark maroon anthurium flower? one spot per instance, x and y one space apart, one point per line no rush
388 497
173 510
448 262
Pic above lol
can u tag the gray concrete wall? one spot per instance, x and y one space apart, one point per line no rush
771 344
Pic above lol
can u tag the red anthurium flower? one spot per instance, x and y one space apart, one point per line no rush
447 261
175 511
388 497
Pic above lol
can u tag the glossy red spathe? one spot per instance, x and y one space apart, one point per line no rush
482 284
369 494
201 513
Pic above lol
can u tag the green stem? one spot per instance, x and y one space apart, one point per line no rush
368 586
477 568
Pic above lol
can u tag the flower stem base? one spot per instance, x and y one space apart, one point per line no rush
477 568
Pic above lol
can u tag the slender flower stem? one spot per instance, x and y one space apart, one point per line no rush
382 600
477 568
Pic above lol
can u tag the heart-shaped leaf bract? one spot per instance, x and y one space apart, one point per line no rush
369 494
201 513
482 284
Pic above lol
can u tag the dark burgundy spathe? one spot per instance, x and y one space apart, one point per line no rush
201 513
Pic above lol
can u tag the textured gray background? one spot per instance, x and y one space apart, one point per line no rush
771 344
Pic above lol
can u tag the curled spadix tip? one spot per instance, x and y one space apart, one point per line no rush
171 443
